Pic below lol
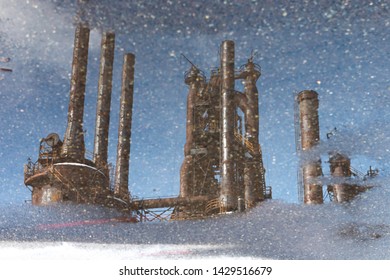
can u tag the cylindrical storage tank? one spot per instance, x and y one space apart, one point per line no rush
73 147
340 168
228 193
104 100
310 137
124 130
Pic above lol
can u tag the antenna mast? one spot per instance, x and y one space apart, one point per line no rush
190 62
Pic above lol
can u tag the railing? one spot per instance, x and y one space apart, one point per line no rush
250 146
194 71
68 184
356 172
30 169
268 192
214 204
243 67
147 215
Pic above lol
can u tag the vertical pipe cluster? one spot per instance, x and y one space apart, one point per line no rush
124 130
228 194
104 100
73 147
310 137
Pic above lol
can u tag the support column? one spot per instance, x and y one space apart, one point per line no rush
124 131
228 195
73 147
310 137
103 105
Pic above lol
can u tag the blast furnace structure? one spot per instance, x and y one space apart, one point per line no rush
223 158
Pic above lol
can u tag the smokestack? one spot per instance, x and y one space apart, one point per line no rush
73 147
104 100
124 131
310 137
228 194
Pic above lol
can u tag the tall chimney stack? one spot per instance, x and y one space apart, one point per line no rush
124 131
228 194
73 147
104 100
310 137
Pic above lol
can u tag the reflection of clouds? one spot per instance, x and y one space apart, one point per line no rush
30 25
298 45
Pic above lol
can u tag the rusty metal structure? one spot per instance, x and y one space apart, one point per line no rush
222 169
103 104
340 168
310 137
73 146
307 133
64 171
124 131
222 155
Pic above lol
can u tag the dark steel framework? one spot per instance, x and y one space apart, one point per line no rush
222 154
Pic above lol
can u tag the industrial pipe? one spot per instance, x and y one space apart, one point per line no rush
253 178
228 193
124 130
186 176
251 74
169 202
104 100
310 137
73 147
195 81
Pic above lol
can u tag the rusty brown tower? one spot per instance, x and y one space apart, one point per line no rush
309 139
222 154
64 171
310 187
